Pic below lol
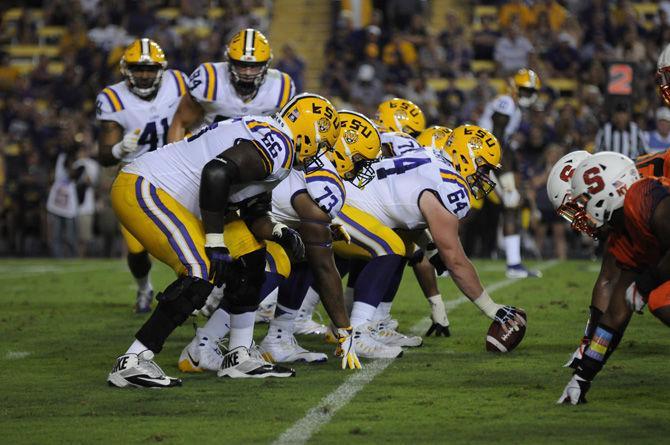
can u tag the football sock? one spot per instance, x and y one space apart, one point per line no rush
383 310
513 249
218 324
136 347
241 330
283 320
361 313
144 283
309 303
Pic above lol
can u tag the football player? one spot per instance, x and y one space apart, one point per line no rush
606 195
502 116
182 203
242 85
134 117
307 200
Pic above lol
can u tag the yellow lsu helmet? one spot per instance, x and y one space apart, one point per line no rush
474 152
434 137
401 115
357 148
142 64
525 86
314 124
249 55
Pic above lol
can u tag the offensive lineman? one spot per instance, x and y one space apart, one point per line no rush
134 117
240 86
502 117
227 166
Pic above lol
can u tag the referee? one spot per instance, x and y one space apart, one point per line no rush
621 135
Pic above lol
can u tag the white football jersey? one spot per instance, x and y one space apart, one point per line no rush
504 105
152 117
211 87
323 185
177 167
399 142
393 196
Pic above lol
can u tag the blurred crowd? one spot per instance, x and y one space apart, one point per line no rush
47 127
453 71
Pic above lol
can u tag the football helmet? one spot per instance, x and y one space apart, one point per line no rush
314 125
474 152
598 188
357 148
401 115
434 137
248 54
525 86
142 56
663 74
558 183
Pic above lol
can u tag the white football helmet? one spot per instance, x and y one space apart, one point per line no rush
558 182
598 187
663 74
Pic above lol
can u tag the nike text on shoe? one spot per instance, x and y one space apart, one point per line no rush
201 354
284 348
143 301
139 371
520 271
368 347
241 363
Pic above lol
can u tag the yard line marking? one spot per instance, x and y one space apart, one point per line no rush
301 431
17 355
22 271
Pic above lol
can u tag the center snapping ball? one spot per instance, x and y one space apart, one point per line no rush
498 340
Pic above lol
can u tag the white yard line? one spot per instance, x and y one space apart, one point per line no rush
301 431
17 355
7 273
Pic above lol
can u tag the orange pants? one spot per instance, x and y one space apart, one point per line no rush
659 297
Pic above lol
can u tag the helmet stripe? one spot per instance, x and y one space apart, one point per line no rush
145 48
249 38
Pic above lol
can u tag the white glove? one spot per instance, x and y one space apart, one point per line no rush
127 145
634 299
510 195
438 315
346 348
575 391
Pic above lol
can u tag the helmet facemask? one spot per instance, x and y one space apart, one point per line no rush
247 76
574 211
663 82
141 84
362 173
527 96
480 183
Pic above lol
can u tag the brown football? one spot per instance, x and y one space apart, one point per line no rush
499 341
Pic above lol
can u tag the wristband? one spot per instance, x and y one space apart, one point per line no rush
487 305
214 240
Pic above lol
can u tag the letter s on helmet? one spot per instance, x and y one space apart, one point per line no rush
401 115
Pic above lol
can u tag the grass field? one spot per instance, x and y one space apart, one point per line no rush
62 324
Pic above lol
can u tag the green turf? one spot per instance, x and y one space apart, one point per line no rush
74 318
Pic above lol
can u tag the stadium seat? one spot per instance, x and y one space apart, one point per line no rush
12 14
647 13
51 35
31 52
215 13
489 11
565 86
169 14
23 66
56 67
483 65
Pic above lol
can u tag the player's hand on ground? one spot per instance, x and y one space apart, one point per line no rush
634 299
219 260
438 315
127 145
439 330
576 357
346 348
290 240
575 391
509 318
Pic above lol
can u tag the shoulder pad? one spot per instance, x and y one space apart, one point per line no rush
108 103
203 83
179 80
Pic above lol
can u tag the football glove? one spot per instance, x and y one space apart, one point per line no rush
509 318
438 315
576 357
290 240
510 195
346 348
127 145
434 258
219 257
575 391
634 299
339 233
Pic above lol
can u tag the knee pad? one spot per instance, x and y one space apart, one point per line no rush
139 264
243 284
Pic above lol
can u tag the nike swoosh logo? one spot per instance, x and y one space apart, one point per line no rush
190 357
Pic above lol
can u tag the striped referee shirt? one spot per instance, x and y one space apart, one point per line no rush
630 142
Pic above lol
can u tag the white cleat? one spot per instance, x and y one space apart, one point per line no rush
390 323
284 348
265 312
201 354
243 363
143 301
307 326
368 347
520 271
139 371
385 334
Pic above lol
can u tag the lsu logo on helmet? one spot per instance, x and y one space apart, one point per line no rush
434 137
474 152
401 115
357 148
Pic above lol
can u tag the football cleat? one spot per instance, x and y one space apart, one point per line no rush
390 323
265 312
143 301
201 354
284 348
244 363
306 326
139 371
384 334
520 271
368 347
